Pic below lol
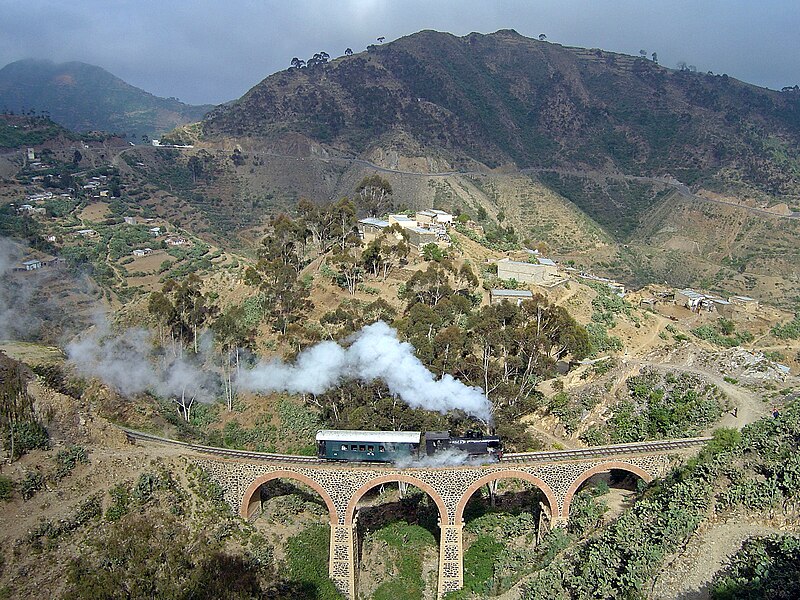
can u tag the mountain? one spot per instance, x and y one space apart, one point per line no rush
85 97
503 99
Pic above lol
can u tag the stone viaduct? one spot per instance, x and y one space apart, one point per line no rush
557 474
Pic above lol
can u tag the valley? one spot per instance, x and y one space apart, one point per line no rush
331 251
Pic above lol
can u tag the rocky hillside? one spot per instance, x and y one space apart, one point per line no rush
84 97
503 98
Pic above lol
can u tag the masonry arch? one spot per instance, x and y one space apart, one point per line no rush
251 496
396 512
492 477
395 477
601 468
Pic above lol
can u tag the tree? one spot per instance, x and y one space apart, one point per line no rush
380 39
183 308
432 252
348 51
231 335
374 195
297 63
276 273
643 53
655 57
542 37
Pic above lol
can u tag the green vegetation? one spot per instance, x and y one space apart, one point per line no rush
753 470
406 543
307 562
68 459
788 331
22 131
722 334
6 487
764 567
660 406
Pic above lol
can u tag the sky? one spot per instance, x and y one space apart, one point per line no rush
212 51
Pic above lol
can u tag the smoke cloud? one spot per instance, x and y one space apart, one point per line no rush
444 458
374 353
132 363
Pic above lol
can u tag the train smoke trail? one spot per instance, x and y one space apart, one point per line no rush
374 353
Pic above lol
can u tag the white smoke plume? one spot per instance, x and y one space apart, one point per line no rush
444 458
374 353
131 363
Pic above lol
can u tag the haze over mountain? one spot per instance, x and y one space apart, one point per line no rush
85 97
503 98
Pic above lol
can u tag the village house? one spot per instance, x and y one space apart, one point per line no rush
430 217
176 241
403 221
419 237
541 273
87 232
129 220
745 303
517 296
155 231
143 252
31 265
370 228
40 196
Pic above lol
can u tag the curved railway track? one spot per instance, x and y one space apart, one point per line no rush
526 457
605 451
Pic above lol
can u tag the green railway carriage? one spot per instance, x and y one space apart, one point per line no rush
368 446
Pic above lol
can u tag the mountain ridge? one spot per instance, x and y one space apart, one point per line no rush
503 99
85 97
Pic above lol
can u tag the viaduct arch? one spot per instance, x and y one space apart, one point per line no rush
342 485
558 474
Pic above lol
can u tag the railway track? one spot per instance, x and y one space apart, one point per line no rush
605 451
134 435
526 457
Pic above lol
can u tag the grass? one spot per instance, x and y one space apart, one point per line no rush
408 543
307 556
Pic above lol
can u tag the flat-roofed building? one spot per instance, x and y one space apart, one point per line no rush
516 296
404 221
370 228
419 237
538 273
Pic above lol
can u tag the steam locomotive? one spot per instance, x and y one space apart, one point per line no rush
393 446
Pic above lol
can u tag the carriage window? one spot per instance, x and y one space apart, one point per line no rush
370 448
381 449
362 448
354 447
344 446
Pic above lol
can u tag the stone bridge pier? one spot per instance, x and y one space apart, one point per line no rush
341 486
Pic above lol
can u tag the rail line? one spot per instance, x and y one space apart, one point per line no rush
134 435
526 457
605 451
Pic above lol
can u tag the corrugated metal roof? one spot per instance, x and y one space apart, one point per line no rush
354 435
402 218
513 293
375 222
546 261
691 294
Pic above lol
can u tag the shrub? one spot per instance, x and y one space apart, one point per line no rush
26 436
31 483
6 487
67 460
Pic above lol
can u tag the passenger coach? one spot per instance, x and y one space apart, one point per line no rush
369 446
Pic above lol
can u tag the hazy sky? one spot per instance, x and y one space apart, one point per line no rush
206 51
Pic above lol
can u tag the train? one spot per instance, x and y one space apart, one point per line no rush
400 446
